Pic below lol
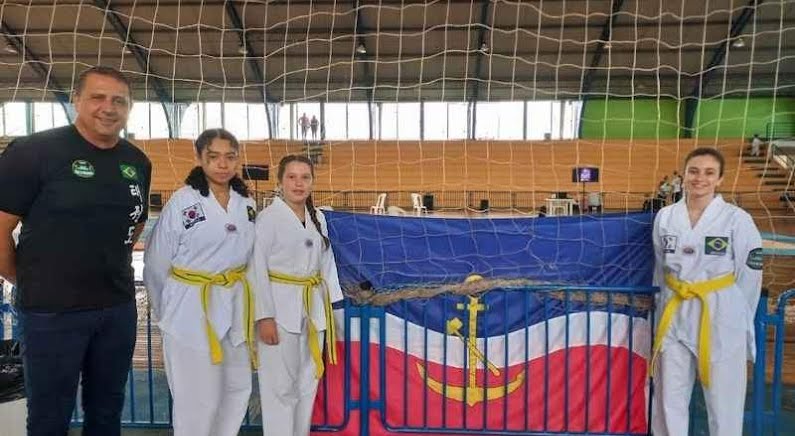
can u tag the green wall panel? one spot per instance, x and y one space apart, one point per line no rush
661 119
627 118
741 118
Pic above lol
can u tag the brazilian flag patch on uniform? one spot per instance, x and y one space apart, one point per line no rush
716 245
128 172
252 214
754 260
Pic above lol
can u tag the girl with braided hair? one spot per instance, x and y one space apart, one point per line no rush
295 282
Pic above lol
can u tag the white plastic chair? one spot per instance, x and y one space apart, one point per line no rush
380 202
416 204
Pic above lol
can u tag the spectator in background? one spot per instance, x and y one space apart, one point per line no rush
664 189
676 187
756 144
314 124
303 123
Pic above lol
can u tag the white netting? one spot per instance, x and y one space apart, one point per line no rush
450 100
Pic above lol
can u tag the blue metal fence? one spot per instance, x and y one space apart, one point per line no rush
765 413
503 399
148 403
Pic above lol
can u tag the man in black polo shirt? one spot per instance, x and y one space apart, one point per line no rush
81 193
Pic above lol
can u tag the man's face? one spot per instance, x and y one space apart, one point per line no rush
102 106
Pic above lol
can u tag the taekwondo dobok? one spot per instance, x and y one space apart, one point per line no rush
296 281
195 271
710 278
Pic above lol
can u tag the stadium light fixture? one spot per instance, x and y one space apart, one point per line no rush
739 42
361 49
9 48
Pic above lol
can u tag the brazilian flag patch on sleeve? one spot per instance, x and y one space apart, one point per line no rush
754 260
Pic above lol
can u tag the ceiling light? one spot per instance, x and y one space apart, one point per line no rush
361 49
738 43
9 48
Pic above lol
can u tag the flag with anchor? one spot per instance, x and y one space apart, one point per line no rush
469 345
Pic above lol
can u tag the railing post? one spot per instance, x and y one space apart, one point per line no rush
364 368
758 395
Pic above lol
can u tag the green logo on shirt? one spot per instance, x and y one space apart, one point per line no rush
83 168
755 260
128 172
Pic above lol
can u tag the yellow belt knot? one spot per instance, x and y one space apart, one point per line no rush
687 291
226 279
308 284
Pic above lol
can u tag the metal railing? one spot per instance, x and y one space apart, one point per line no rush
539 378
473 202
766 405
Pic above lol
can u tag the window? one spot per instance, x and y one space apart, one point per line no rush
257 121
445 120
138 121
42 116
212 115
190 125
236 119
147 121
158 123
499 120
284 121
310 109
539 119
560 119
15 119
358 121
400 121
436 120
336 115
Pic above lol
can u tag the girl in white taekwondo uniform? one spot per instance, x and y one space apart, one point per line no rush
709 269
195 271
295 278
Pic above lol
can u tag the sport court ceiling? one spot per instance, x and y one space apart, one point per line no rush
389 50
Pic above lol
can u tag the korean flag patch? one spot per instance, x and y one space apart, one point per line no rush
252 214
716 245
192 215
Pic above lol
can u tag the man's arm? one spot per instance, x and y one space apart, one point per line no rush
8 252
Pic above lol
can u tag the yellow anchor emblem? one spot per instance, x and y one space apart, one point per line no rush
471 393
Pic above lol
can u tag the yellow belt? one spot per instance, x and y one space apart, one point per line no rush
687 291
308 284
226 279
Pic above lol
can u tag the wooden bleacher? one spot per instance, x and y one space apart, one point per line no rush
437 166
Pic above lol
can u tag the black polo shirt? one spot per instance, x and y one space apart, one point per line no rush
79 206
